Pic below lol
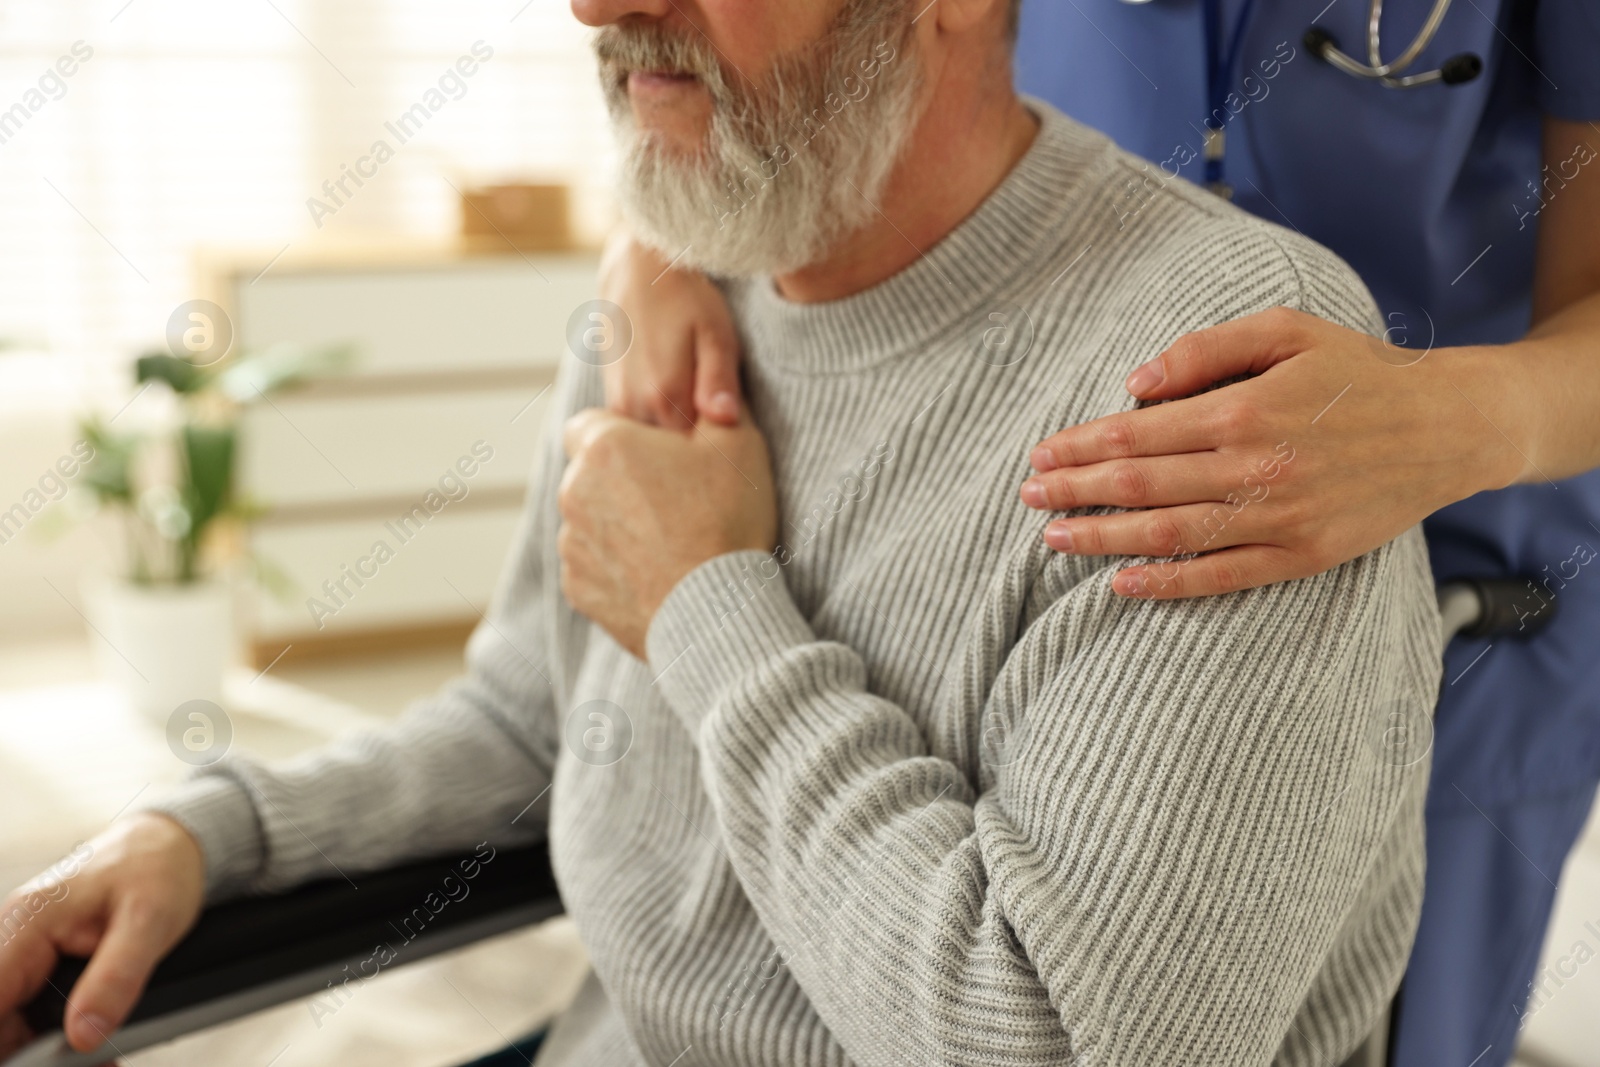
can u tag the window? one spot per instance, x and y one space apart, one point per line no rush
133 132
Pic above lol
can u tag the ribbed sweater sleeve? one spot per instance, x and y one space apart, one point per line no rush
1186 806
457 768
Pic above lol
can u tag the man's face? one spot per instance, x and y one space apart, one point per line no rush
744 38
756 133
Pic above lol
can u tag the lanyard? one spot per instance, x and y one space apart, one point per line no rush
1220 65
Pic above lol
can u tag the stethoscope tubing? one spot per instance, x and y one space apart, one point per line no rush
1221 60
1391 74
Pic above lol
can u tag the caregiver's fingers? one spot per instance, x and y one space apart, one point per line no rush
1247 345
1195 424
1173 531
1156 481
1212 574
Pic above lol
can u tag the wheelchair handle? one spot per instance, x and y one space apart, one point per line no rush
1495 607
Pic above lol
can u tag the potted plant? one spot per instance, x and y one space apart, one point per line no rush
165 627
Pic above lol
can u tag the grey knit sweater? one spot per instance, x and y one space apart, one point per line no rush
915 790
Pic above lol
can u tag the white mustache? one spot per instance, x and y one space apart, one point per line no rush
624 50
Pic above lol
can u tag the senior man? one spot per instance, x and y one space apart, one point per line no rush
838 763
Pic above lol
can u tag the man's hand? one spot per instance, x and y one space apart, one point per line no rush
642 507
127 897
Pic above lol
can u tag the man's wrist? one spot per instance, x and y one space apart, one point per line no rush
174 838
729 615
216 813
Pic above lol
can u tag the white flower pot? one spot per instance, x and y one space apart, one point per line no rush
162 645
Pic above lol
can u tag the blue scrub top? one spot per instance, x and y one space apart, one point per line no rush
1429 194
1425 192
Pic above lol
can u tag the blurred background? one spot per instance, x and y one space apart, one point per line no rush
363 226
283 287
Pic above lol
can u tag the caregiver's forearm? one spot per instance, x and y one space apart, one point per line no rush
1534 404
1556 373
1552 377
1541 396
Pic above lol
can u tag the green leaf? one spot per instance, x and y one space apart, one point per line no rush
260 373
109 473
208 454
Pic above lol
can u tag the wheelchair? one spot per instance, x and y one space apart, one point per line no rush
245 956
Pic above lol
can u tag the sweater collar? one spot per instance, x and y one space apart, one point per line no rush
949 285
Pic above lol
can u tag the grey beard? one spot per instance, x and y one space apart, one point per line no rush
788 171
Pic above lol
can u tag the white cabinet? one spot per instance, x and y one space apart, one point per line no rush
453 315
442 412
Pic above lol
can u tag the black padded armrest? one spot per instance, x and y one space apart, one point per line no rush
247 955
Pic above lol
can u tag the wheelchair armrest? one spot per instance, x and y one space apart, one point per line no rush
247 955
1494 607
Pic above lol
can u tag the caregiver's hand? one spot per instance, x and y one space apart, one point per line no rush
684 361
127 897
1341 443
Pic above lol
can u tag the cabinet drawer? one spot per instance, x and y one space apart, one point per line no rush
302 452
427 572
498 312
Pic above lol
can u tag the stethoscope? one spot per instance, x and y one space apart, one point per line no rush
1220 63
1459 68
